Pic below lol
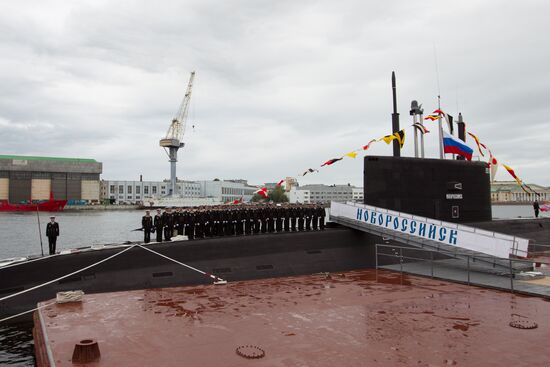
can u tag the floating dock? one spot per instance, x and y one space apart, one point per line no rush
354 318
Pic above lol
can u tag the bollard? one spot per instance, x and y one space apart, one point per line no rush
86 351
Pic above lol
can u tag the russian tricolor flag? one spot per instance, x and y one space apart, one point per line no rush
456 146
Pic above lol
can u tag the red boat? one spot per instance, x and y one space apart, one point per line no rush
43 206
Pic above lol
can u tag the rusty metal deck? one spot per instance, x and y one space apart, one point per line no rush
359 318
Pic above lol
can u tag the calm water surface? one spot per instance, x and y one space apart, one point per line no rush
19 234
19 237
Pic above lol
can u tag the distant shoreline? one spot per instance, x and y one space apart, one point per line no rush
75 208
504 203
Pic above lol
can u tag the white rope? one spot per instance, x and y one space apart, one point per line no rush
26 312
66 276
217 279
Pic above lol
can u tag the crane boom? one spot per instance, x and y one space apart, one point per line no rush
174 135
177 127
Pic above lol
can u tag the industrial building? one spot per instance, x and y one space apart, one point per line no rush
318 193
26 178
135 192
228 190
511 192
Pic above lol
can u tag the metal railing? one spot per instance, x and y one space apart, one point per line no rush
466 268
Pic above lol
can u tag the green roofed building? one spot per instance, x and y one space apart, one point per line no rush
24 178
511 192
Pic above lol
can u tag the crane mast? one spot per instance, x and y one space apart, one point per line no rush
173 139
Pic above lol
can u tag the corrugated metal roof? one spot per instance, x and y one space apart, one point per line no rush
58 159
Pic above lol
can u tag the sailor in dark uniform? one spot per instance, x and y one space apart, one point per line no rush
248 222
300 215
208 223
168 224
270 220
264 218
307 211
214 216
315 218
286 218
322 214
178 221
52 232
256 220
147 225
219 223
237 220
278 215
293 214
199 223
190 228
158 225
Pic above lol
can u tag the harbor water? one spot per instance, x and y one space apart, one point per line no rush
19 236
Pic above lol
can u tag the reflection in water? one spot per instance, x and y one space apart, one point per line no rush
16 345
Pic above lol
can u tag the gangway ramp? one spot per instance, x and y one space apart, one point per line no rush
450 239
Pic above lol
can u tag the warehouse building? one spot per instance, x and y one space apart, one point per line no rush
511 192
139 192
318 193
136 192
24 178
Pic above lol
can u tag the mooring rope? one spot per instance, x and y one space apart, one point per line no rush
216 279
68 275
26 312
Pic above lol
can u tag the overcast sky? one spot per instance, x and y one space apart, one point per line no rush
281 86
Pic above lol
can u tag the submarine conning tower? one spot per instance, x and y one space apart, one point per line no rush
454 190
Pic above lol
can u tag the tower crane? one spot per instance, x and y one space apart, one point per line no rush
173 139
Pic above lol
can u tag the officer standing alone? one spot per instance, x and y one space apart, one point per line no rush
52 232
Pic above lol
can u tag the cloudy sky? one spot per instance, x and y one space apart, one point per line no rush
281 86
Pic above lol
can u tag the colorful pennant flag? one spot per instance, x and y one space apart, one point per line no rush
365 147
421 128
280 182
448 118
513 174
493 165
432 117
262 192
331 161
351 154
518 180
454 145
309 170
400 136
479 144
531 189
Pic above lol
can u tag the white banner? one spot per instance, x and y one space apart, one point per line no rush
475 239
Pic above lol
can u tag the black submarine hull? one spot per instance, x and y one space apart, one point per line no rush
230 258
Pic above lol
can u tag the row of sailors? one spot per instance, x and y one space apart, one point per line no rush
212 221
